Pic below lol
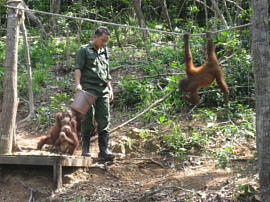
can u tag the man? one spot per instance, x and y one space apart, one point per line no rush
92 75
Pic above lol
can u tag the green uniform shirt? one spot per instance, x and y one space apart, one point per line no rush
94 66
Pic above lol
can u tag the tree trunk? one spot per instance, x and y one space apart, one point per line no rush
54 8
215 6
206 14
9 112
165 12
140 16
36 21
261 66
67 50
29 70
15 146
117 35
228 12
79 25
238 20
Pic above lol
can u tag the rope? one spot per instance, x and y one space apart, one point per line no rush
14 1
126 26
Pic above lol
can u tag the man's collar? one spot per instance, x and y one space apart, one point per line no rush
92 47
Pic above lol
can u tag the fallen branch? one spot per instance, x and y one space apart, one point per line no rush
155 162
105 168
157 75
151 160
121 66
108 171
143 112
194 107
138 115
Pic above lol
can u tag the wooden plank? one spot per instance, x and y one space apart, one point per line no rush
56 161
28 159
65 160
77 161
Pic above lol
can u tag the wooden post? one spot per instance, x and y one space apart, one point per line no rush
9 110
29 72
57 175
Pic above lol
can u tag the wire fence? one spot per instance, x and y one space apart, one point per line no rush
124 25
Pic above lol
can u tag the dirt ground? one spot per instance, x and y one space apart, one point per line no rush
136 175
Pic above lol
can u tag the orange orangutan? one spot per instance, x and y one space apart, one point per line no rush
199 77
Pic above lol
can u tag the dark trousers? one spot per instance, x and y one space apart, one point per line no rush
100 110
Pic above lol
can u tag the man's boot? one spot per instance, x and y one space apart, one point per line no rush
103 147
85 146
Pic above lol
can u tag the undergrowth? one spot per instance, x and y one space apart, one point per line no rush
161 62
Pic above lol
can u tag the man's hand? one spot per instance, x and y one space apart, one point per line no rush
111 95
78 87
110 91
77 77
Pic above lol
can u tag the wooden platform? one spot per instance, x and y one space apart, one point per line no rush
57 161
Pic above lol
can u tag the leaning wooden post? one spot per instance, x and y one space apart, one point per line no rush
9 109
29 72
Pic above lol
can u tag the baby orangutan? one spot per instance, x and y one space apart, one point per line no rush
67 141
199 77
66 126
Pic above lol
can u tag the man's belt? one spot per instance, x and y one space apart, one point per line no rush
102 84
99 84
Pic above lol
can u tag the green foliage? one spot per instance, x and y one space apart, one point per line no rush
241 120
181 142
206 114
241 125
239 74
165 55
78 199
40 78
65 83
163 120
131 94
39 5
224 156
41 54
59 100
145 134
46 111
193 9
161 58
43 116
246 192
44 56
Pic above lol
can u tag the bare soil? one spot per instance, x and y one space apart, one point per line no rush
138 175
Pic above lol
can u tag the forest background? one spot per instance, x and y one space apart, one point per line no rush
148 65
